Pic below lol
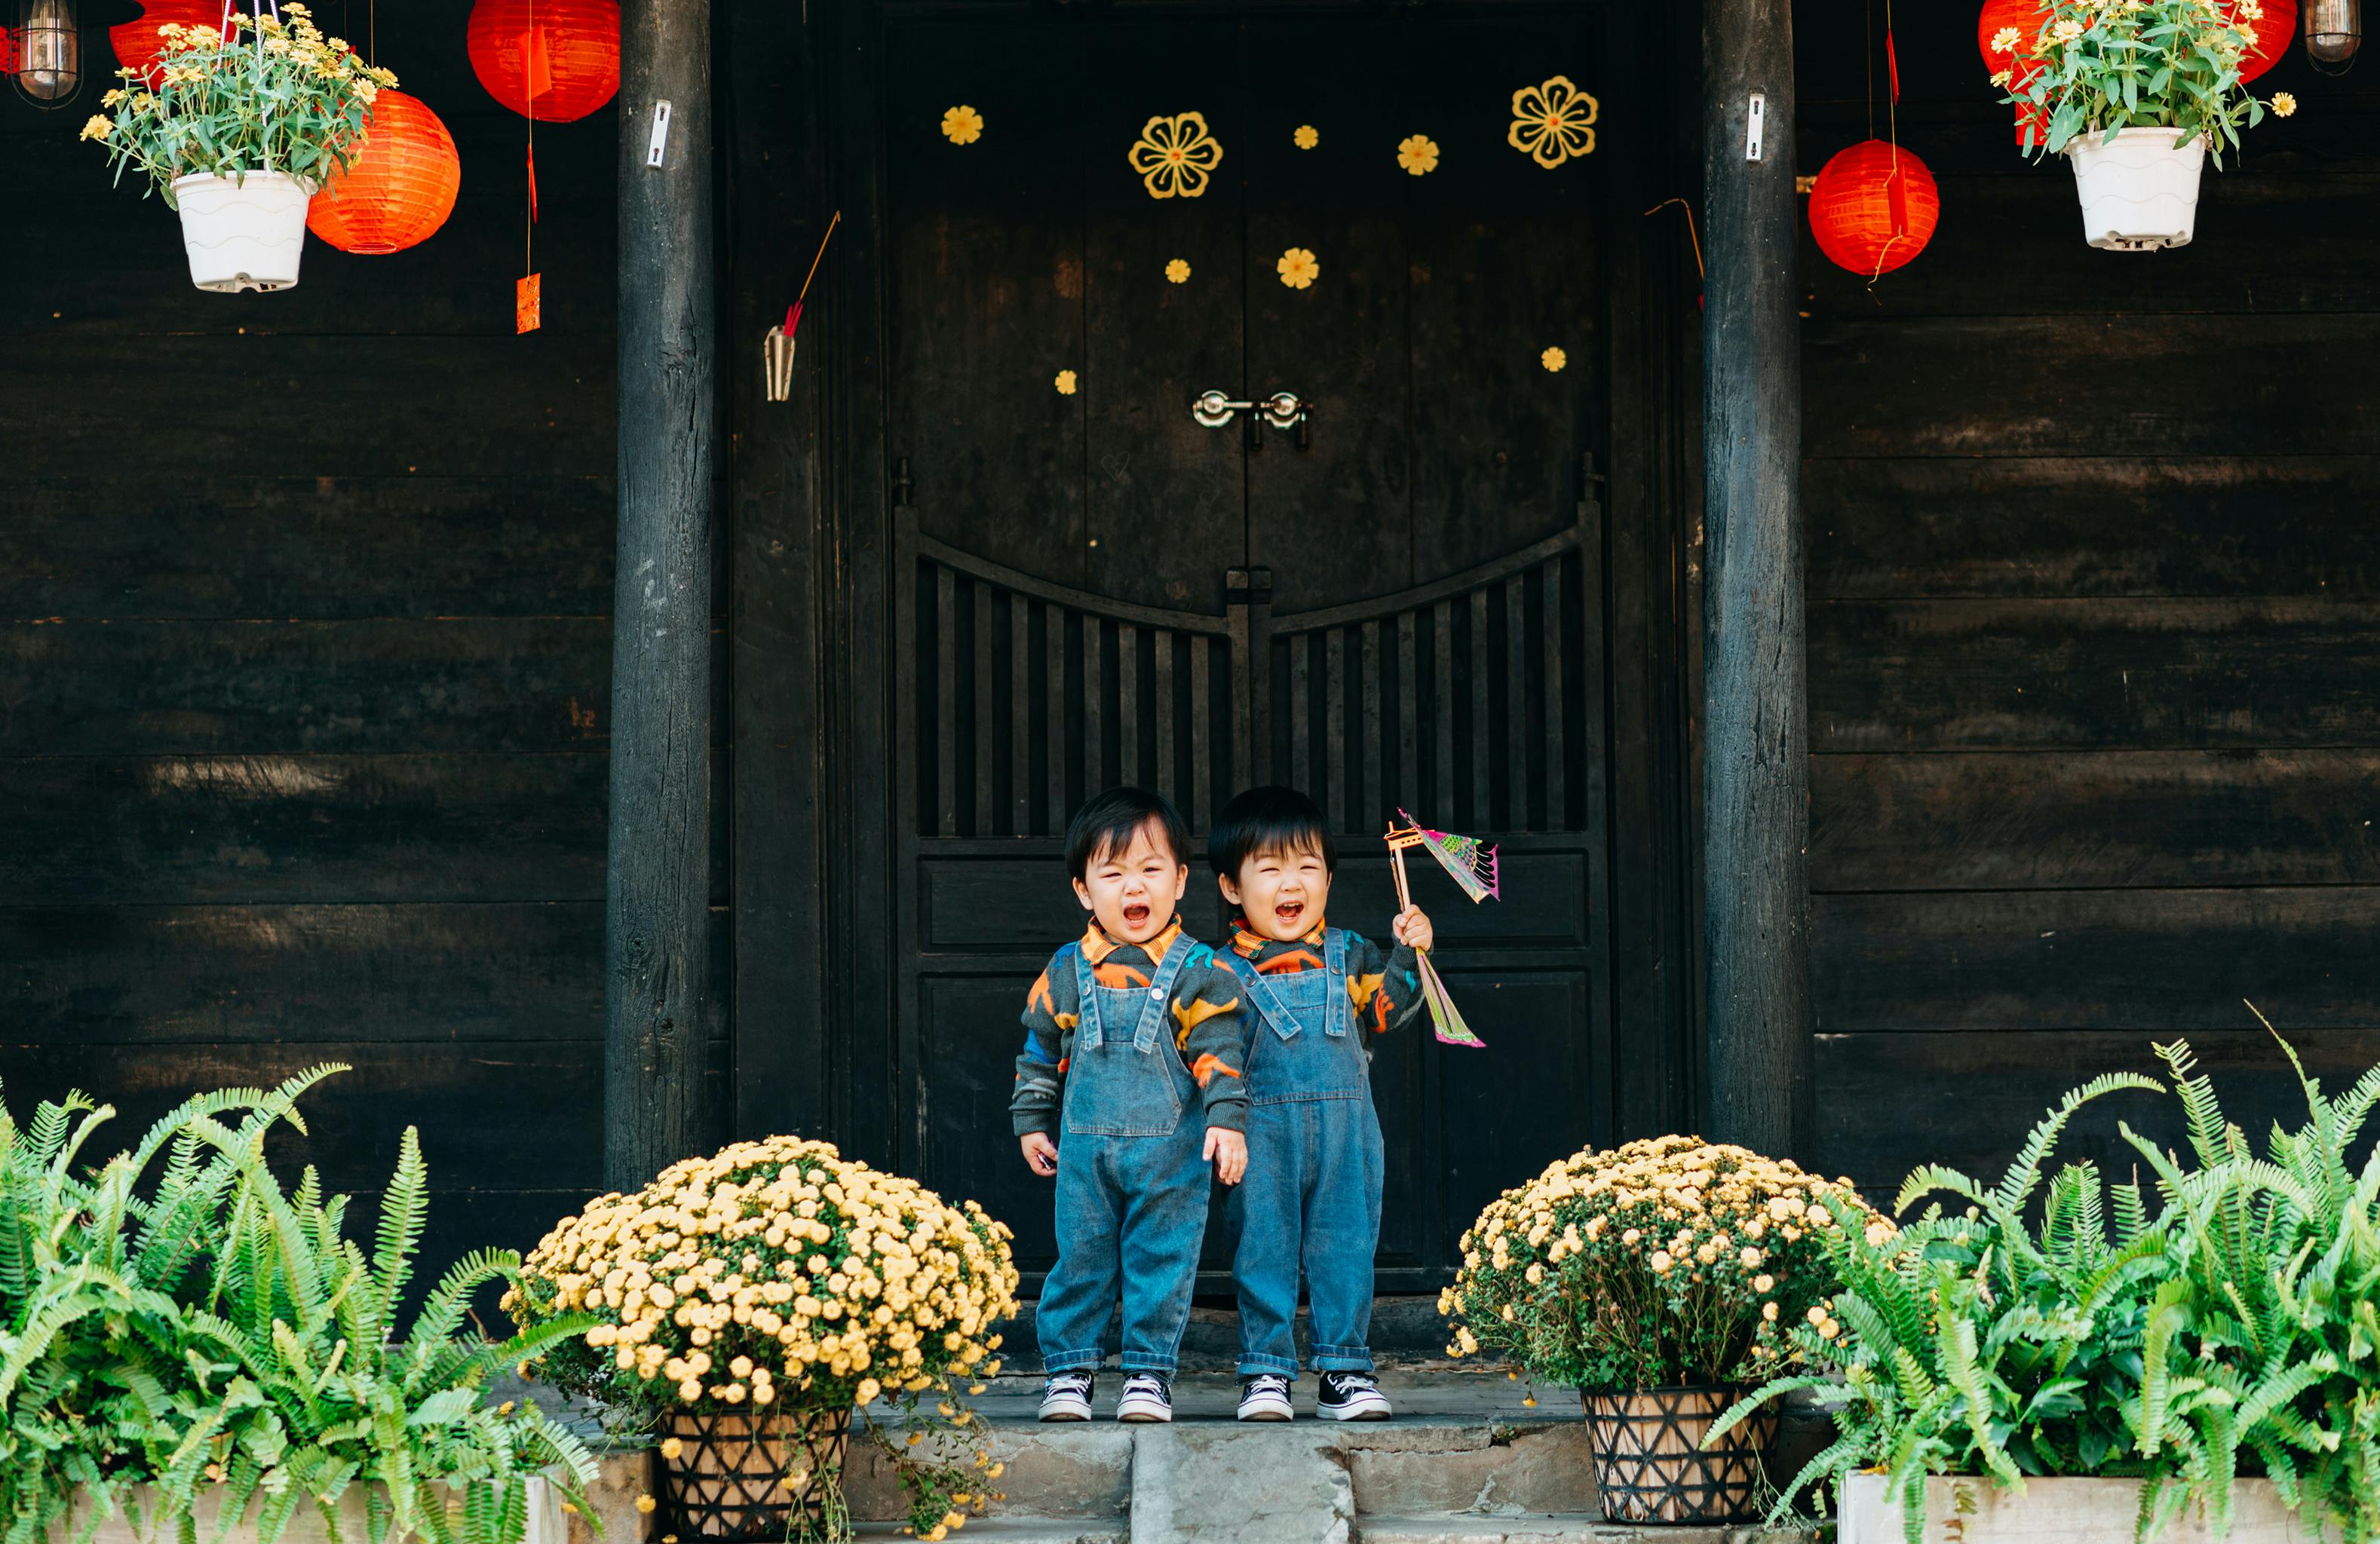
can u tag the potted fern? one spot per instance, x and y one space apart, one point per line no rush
238 131
2060 1354
1660 1279
210 1344
2138 95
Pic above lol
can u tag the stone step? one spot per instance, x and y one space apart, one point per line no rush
1584 1527
1002 1528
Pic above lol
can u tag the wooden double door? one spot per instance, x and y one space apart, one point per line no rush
1397 602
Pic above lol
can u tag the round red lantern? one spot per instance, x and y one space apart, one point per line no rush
399 186
2275 27
552 60
137 43
2024 17
1875 208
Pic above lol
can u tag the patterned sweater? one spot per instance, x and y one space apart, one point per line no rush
1384 986
1207 1030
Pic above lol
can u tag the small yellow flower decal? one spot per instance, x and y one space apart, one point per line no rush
1553 358
1173 155
2284 104
1065 383
961 126
1552 122
1307 136
1297 268
1177 271
1418 154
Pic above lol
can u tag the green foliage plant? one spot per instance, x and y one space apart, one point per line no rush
1664 1261
2223 1318
274 96
2095 66
214 1338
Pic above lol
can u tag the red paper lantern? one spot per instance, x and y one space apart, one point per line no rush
1875 208
400 184
2274 30
2022 64
552 60
137 43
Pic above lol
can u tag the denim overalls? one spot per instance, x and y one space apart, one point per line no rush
1313 1188
1131 1188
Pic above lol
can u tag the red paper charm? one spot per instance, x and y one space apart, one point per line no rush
529 303
1875 208
400 184
552 60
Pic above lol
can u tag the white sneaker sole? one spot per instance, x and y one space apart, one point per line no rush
1139 1408
1371 1406
1271 1407
1065 1409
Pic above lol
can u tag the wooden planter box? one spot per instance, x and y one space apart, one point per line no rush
1964 1510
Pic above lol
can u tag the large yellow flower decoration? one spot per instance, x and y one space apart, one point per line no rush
961 126
1173 155
1417 154
1552 122
1298 268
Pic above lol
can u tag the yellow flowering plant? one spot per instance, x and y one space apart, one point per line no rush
2109 64
1665 1261
778 1274
274 96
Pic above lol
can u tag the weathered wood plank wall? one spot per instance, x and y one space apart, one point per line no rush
306 654
2094 607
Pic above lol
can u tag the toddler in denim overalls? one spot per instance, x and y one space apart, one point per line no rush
1133 1042
1312 1195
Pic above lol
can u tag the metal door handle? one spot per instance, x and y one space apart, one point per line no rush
1215 408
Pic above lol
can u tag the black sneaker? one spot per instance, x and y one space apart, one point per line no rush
1147 1396
1067 1397
1265 1396
1350 1396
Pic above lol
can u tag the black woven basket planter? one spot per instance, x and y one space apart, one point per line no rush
1649 1462
727 1482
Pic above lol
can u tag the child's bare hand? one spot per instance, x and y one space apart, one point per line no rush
1228 1151
1412 926
1040 1152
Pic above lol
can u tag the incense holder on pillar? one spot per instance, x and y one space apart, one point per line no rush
777 362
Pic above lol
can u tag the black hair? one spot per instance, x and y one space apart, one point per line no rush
1271 819
1109 821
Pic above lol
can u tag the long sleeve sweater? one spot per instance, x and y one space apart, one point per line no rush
1385 985
1207 1032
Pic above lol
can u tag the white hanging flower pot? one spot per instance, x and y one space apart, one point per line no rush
2139 190
243 232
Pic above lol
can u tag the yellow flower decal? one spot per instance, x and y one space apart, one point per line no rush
1177 271
1553 359
1552 122
1417 154
963 125
1065 383
1175 154
2284 104
1307 136
1297 268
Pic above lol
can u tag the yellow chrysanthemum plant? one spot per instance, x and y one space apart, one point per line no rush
274 96
2095 66
1664 1262
778 1275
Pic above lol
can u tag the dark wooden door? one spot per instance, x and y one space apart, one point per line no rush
1399 603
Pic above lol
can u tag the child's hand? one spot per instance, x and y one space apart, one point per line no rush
1228 1151
1412 926
1040 1152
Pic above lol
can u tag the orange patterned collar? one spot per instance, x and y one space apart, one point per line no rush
1251 944
1098 946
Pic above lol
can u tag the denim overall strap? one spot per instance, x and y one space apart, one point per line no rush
1161 989
1086 999
1339 1012
1268 1004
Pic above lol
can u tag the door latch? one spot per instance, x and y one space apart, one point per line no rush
1284 410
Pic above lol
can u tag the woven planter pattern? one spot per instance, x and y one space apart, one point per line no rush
1649 1462
727 1481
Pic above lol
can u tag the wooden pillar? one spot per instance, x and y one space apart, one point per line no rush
1756 769
656 889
